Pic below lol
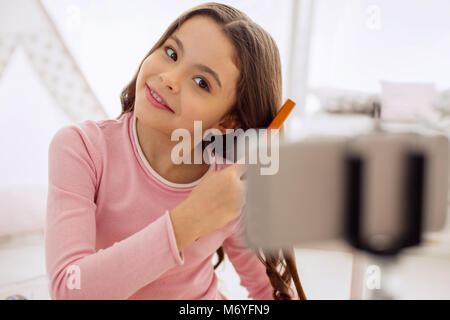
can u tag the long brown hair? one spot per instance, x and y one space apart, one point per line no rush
259 97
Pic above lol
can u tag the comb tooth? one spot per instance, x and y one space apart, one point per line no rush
284 112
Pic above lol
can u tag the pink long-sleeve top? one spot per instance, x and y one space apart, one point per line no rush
108 230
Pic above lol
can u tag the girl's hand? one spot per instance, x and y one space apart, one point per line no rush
215 201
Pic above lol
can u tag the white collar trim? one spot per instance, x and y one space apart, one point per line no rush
153 172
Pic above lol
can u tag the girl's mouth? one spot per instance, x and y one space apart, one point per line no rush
155 100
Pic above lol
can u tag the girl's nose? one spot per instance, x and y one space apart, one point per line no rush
169 81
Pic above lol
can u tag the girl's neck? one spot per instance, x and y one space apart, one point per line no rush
157 149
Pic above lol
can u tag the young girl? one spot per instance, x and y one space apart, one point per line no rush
124 221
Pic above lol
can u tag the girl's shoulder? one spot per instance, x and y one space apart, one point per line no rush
91 135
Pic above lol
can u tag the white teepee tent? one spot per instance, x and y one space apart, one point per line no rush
41 89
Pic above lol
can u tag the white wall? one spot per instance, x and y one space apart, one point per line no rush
356 43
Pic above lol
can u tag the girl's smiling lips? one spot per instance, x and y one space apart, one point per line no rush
154 102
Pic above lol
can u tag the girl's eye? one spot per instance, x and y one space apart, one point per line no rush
202 83
171 53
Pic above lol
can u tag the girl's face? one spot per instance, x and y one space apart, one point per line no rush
193 72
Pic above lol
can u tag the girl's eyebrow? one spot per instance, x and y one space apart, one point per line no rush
202 67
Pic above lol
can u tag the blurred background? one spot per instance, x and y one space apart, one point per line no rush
64 61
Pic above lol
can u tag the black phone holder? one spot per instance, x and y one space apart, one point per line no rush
413 205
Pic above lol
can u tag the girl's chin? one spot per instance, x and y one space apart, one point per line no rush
149 111
151 119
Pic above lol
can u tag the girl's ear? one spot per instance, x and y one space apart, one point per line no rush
229 121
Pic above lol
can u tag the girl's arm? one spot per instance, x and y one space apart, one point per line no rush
75 269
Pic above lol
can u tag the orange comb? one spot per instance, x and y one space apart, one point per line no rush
281 116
